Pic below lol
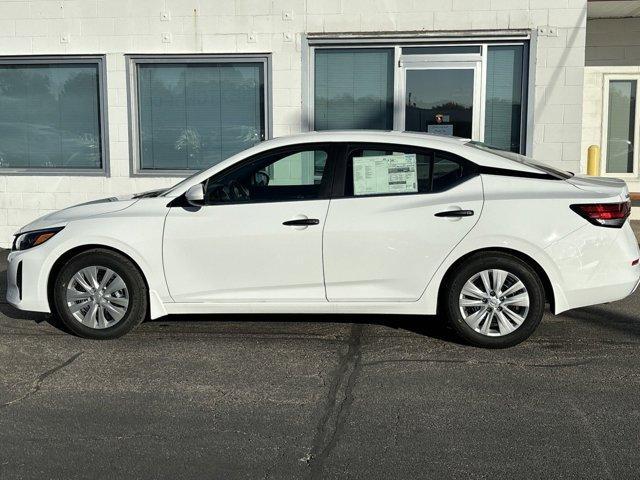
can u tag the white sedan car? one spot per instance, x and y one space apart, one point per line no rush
339 222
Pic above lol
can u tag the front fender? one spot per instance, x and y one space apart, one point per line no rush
144 248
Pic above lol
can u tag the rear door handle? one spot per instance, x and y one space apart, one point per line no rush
301 222
455 213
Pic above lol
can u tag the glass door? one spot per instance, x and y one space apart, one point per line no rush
620 127
441 98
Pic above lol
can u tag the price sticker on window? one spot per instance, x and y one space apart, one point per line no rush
385 174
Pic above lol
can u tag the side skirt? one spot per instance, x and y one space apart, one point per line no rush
397 308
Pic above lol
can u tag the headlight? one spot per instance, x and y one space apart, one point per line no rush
26 240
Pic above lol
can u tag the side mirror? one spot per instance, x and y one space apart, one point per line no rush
195 195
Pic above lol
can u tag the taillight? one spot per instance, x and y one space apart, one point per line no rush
604 214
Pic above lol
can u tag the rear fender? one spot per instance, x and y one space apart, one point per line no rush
429 297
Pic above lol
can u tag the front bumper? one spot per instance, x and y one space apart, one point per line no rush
26 289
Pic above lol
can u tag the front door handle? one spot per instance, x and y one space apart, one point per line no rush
455 213
301 222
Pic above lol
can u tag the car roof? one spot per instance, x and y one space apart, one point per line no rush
373 136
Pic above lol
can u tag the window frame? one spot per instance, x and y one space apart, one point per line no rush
313 42
131 64
607 78
340 171
334 157
100 62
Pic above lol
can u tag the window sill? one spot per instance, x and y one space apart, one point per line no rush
53 172
164 173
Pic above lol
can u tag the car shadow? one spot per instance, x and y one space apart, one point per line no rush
13 313
603 318
431 326
428 326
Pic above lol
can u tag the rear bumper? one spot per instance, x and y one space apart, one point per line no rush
596 266
24 281
602 294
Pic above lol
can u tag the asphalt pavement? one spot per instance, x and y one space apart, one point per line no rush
303 396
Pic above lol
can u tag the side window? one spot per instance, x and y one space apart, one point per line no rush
387 172
446 172
301 168
274 177
399 170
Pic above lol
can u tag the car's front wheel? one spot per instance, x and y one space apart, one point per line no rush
494 300
100 294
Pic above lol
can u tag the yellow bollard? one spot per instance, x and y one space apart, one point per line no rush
593 161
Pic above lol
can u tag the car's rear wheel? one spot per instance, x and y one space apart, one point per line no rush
100 294
494 300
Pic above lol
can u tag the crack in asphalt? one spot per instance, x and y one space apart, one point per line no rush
337 407
41 378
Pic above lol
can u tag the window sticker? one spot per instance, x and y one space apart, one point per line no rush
440 129
385 174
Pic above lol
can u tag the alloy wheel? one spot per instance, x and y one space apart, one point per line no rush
494 302
97 297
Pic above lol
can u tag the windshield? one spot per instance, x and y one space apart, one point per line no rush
516 157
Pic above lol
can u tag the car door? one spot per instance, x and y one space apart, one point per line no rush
258 235
397 213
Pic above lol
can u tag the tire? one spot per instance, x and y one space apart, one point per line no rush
115 307
491 329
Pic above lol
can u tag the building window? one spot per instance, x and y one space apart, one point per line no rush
620 136
353 89
472 89
193 112
52 114
503 111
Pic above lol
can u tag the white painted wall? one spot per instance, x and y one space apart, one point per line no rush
116 27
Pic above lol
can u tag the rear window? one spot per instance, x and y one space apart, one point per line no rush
528 161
